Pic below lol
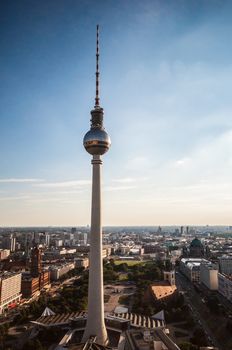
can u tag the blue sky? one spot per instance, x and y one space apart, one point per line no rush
166 77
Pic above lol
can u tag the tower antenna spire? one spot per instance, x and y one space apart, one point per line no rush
97 98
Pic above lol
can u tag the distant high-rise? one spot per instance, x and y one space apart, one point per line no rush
27 245
47 239
9 243
73 230
96 142
181 230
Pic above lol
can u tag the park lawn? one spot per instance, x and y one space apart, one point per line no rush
123 277
129 262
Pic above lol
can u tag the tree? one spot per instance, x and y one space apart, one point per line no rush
199 337
229 326
121 267
109 274
33 345
188 346
212 304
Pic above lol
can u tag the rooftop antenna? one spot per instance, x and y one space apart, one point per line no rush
97 98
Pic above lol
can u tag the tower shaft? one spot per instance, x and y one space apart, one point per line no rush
95 321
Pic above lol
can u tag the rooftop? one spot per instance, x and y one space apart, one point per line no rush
140 340
162 289
59 319
8 274
193 260
225 257
137 320
89 345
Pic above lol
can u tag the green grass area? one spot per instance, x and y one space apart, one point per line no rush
123 276
129 262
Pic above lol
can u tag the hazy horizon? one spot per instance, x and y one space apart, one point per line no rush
225 227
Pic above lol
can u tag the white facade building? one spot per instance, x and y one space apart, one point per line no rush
59 242
47 239
9 243
81 238
10 289
225 286
209 275
65 251
57 271
190 267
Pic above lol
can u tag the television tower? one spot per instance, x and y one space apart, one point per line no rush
96 142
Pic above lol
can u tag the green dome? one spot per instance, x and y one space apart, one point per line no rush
196 243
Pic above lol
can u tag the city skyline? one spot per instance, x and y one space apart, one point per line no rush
166 76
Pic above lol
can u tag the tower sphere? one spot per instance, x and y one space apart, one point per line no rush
96 141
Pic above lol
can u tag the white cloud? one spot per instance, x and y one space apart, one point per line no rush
51 199
119 188
139 162
65 184
20 180
125 180
182 162
128 180
13 198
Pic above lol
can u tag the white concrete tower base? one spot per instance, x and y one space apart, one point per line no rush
95 321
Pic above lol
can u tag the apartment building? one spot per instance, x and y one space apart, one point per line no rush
57 271
225 264
190 267
225 286
10 289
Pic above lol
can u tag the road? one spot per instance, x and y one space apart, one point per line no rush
226 303
198 308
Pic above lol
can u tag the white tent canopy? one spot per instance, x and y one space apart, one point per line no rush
159 316
48 312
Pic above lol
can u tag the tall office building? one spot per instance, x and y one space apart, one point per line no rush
96 142
9 243
36 261
47 239
182 230
82 238
73 230
37 279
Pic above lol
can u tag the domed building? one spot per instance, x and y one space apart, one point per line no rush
196 249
